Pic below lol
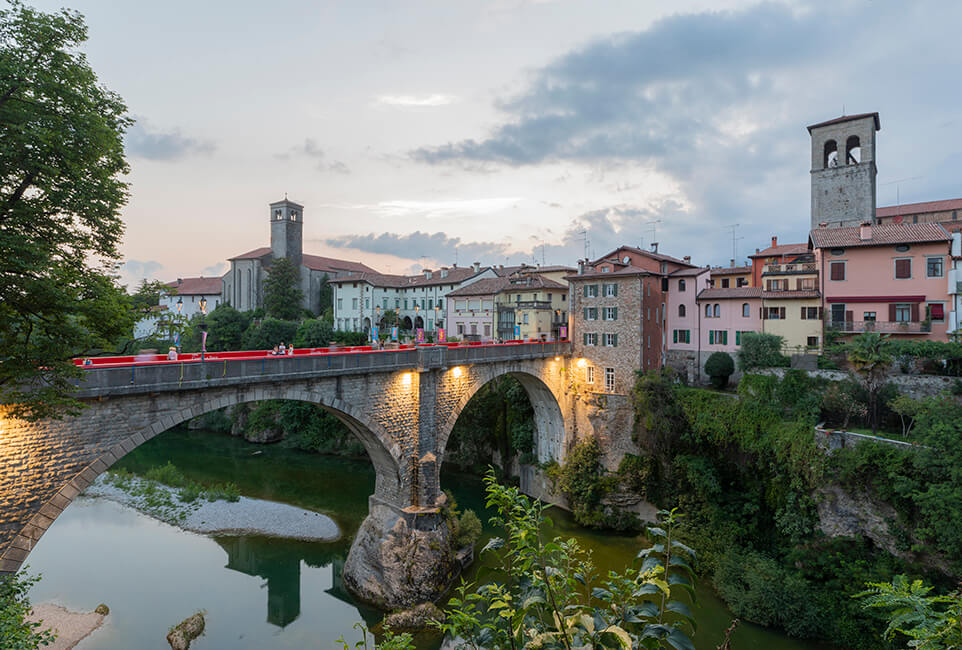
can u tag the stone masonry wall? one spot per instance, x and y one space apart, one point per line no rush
916 386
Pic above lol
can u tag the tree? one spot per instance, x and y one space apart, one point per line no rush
268 333
326 295
16 631
148 295
313 333
719 368
931 622
870 363
282 290
61 162
761 351
226 327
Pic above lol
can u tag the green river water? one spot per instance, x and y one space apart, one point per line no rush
264 593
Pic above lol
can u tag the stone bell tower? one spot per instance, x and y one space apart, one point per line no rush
287 231
843 170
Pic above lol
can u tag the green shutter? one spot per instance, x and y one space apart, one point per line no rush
614 313
738 338
586 313
711 337
584 291
616 289
614 343
585 335
604 313
724 337
596 290
675 336
687 336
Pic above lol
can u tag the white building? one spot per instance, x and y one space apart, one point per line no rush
186 295
419 300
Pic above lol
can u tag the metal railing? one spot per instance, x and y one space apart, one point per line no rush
884 327
802 267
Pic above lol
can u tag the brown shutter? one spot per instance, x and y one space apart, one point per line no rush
915 312
803 313
903 268
891 313
849 317
781 313
820 316
761 313
838 270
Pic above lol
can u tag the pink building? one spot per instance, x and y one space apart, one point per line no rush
726 314
885 278
471 310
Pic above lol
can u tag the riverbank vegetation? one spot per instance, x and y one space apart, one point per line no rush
16 631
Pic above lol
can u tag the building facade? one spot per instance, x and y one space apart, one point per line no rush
683 328
726 315
843 170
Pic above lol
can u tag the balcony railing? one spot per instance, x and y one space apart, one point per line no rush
532 304
802 267
884 327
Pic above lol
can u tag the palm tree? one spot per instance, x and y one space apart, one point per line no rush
871 364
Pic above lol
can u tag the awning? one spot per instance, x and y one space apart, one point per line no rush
844 299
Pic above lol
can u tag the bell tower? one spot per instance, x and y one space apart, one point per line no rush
287 230
843 170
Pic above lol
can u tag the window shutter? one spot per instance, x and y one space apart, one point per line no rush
891 313
803 314
711 337
595 291
781 313
738 337
838 270
585 335
849 317
903 269
614 313
820 316
585 291
604 313
675 336
915 312
586 313
724 337
615 287
614 342
687 336
762 314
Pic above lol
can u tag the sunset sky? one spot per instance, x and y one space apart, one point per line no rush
420 133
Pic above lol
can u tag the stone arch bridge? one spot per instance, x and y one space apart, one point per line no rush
401 404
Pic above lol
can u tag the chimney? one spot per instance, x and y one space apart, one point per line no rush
581 267
686 259
774 241
654 247
865 231
179 280
823 224
476 266
757 251
733 262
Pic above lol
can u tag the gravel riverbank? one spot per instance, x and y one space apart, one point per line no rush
243 517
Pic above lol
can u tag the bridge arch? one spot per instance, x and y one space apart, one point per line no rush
544 387
382 449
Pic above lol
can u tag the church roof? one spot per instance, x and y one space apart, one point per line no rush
333 265
454 276
847 118
253 255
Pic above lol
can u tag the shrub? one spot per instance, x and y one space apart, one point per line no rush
16 631
719 367
469 529
313 333
268 333
761 351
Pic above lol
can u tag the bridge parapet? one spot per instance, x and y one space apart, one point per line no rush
214 372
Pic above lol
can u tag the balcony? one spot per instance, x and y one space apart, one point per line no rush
883 327
532 304
955 281
785 269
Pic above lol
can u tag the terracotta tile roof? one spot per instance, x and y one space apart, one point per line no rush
782 249
656 256
684 273
847 118
620 273
253 255
790 295
731 270
483 287
733 292
330 264
896 233
197 286
919 208
454 276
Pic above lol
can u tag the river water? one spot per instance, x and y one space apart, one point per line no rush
264 593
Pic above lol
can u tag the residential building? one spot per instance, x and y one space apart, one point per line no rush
888 278
531 306
471 312
418 301
792 304
618 309
843 184
776 254
947 212
683 327
726 315
954 319
187 293
243 284
728 277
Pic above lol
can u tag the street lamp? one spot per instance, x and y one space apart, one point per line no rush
397 323
377 319
203 327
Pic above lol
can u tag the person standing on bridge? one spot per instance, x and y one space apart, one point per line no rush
282 350
172 354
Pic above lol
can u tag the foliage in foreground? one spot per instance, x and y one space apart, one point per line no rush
553 599
16 632
930 622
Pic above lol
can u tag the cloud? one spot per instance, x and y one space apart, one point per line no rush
214 270
437 209
142 141
311 150
416 101
436 246
132 272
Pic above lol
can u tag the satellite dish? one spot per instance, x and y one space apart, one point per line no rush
626 259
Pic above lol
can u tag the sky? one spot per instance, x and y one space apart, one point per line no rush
425 133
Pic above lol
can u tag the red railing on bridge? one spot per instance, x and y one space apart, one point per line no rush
195 357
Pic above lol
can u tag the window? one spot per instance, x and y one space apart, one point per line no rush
812 342
903 313
902 248
837 252
716 311
773 313
367 303
430 303
610 340
809 313
610 379
430 323
605 269
589 374
777 285
681 336
649 313
340 304
837 270
460 328
591 291
830 154
525 318
681 311
681 285
936 312
739 335
405 303
397 303
725 283
903 268
611 290
591 338
717 337
474 328
746 310
742 282
487 329
591 313
609 313
869 316
707 311
353 303
933 267
853 150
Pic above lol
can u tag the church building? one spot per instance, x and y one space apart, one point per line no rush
244 282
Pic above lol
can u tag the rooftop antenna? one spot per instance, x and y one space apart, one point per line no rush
735 239
897 182
584 235
542 252
653 230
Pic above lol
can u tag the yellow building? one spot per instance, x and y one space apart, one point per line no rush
531 306
730 277
792 305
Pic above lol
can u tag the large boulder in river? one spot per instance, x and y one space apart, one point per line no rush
414 618
186 631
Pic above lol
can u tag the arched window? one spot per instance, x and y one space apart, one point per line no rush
681 285
853 151
707 311
830 157
717 310
746 310
681 311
